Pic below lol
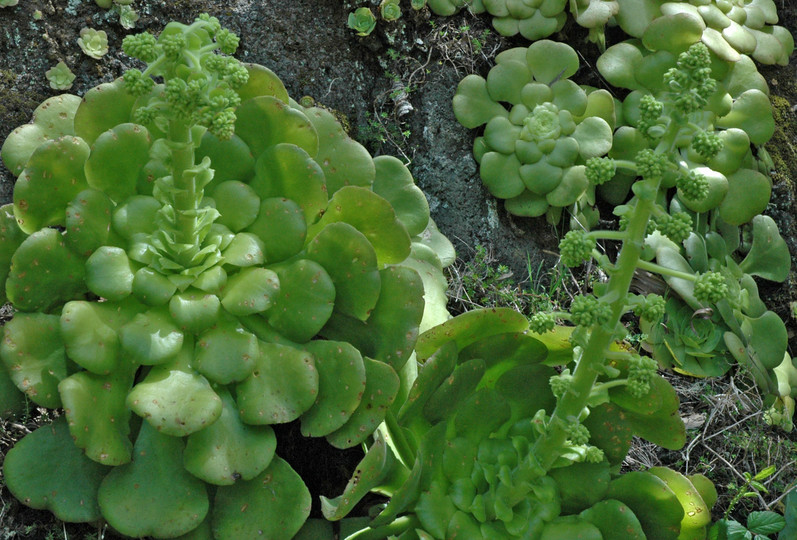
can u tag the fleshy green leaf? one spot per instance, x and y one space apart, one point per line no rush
117 157
287 171
381 387
345 162
350 261
99 420
33 354
282 386
304 302
265 121
274 504
52 177
229 450
153 495
371 215
341 386
47 471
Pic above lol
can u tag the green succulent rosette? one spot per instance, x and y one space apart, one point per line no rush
729 28
539 129
474 414
532 19
738 114
284 276
449 7
751 334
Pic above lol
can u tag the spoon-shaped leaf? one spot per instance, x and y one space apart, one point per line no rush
33 354
46 470
99 420
153 495
275 505
228 449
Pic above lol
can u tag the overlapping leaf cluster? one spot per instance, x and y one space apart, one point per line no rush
470 436
193 260
714 176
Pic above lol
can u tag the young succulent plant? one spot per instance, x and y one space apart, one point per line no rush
93 43
206 253
730 28
532 19
748 332
534 153
499 439
390 10
362 20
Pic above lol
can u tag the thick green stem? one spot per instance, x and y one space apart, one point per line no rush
406 448
570 406
185 195
572 403
664 271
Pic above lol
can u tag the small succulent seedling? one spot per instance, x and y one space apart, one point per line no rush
93 43
127 17
362 20
390 10
60 76
194 260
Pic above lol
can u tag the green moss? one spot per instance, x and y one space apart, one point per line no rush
780 147
15 107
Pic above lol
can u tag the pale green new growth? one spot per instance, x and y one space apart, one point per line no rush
93 43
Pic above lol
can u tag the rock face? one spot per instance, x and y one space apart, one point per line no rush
393 90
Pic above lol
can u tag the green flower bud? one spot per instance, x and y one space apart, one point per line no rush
586 310
576 248
710 287
693 185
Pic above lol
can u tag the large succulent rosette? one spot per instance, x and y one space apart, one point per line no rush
310 269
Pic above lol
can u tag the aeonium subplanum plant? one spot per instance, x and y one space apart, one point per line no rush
507 433
193 259
540 128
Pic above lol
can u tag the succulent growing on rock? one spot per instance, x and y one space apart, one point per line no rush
213 257
729 28
532 19
362 20
534 153
60 76
93 43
